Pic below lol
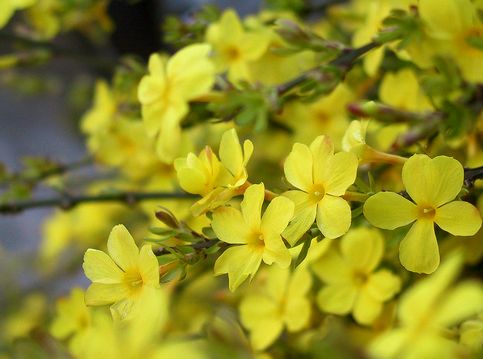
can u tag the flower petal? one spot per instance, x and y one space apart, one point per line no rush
304 216
332 268
276 252
148 266
343 172
251 206
231 152
418 251
229 225
333 216
298 167
239 262
389 210
122 248
366 308
277 215
383 285
362 248
103 294
322 150
432 181
337 299
458 218
100 268
462 302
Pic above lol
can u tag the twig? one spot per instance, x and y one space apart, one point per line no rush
67 201
344 61
473 174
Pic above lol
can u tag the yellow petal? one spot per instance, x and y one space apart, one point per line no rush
277 215
229 226
458 218
276 252
332 268
389 210
148 266
123 309
434 181
297 313
122 248
251 206
366 308
239 262
322 150
168 143
389 344
383 285
254 45
191 180
157 66
304 216
191 72
103 294
462 302
418 251
99 267
333 216
150 89
298 167
230 152
362 248
337 299
343 172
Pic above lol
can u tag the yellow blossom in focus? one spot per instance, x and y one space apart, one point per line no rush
322 177
353 285
254 237
165 92
235 52
122 277
282 302
433 185
216 180
8 8
425 310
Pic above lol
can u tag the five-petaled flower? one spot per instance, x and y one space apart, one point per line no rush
255 237
433 185
122 277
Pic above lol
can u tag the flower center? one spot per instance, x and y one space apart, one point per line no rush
317 193
233 53
133 279
359 278
426 212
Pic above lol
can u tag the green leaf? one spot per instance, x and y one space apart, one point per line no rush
303 252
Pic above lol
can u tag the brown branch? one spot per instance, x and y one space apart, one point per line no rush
66 202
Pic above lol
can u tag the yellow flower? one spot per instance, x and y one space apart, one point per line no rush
73 320
409 95
8 7
322 178
453 37
235 52
432 185
471 333
165 92
353 285
123 276
256 238
425 310
216 181
282 302
100 116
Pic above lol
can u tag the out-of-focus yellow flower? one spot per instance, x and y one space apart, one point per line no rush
165 92
432 184
123 276
401 89
8 8
99 117
453 38
216 181
322 177
255 237
281 302
235 52
73 320
471 333
423 313
353 284
30 314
